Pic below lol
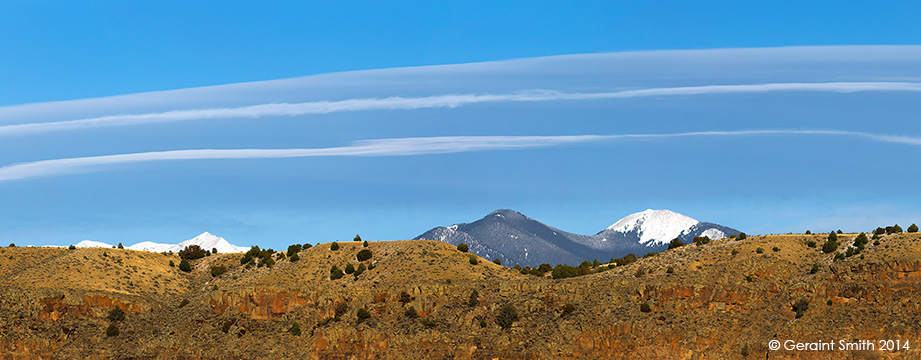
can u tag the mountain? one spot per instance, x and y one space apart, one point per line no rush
205 240
517 239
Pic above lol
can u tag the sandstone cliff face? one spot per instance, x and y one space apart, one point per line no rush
715 305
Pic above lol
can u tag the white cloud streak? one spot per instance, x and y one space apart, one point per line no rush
438 101
390 147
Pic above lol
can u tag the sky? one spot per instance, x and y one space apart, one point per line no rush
273 124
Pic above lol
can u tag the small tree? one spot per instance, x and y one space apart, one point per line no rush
913 228
357 238
676 243
462 247
473 260
506 316
808 232
334 246
214 250
361 315
364 254
72 247
120 246
295 329
815 269
800 307
364 244
335 273
112 330
830 245
832 236
192 252
349 269
497 261
116 314
218 270
185 266
172 264
742 236
474 299
644 307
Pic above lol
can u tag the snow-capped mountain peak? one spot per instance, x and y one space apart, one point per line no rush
205 240
656 226
90 243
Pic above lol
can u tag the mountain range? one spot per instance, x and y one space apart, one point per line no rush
514 238
205 240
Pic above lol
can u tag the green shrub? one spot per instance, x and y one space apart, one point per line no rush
411 313
364 254
12 245
364 244
183 303
800 307
462 247
341 308
815 269
644 307
810 243
567 310
671 270
192 252
214 250
294 249
294 258
676 243
832 236
506 316
361 315
349 269
742 236
112 330
701 240
473 260
226 326
808 232
850 252
830 245
405 298
474 299
116 314
218 270
295 329
829 302
775 249
497 261
72 247
357 238
335 273
876 243
759 250
879 231
172 264
120 246
734 252
913 228
334 246
429 322
839 256
483 323
184 265
895 229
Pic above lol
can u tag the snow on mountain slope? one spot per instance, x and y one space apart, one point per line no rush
205 240
655 226
90 243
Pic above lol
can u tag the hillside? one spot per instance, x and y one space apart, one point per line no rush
721 300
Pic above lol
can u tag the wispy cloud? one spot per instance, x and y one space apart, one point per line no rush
438 101
389 147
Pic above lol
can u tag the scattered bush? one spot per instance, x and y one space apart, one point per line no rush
879 231
364 244
506 316
876 243
640 272
214 250
357 238
839 256
349 269
913 228
192 252
473 260
483 323
808 232
829 302
811 243
840 232
497 261
116 314
295 329
815 269
335 273
218 270
371 266
405 298
644 307
676 243
850 252
185 266
226 326
294 258
474 299
734 252
742 236
701 240
246 259
568 309
266 261
184 302
411 313
294 249
429 323
361 315
12 245
671 270
172 264
72 247
120 246
776 249
306 246
830 245
759 250
800 307
364 254
462 247
341 308
334 246
360 269
112 330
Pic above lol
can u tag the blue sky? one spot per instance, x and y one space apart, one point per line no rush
99 101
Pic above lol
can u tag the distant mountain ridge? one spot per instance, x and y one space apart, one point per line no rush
206 240
515 238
